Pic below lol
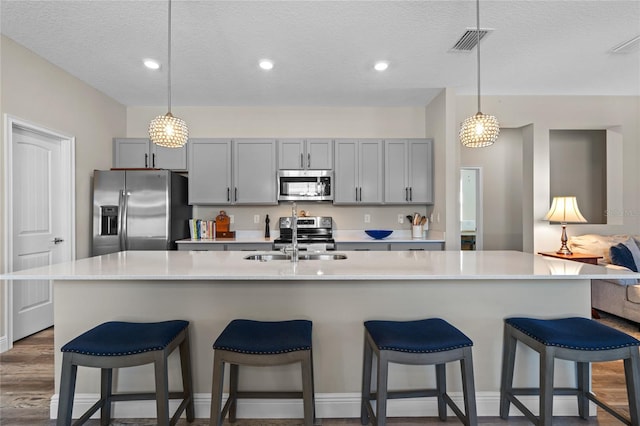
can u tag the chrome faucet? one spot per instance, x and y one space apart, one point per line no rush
294 232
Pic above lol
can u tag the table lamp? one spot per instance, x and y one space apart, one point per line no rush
564 210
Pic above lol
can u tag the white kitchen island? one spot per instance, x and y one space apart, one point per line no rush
472 290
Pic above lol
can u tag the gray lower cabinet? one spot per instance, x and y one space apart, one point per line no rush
408 171
218 245
417 246
362 246
389 246
358 171
225 171
140 153
195 246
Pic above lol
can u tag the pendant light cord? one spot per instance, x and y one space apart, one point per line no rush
169 59
477 47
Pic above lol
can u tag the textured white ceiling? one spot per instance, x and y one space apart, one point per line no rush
324 50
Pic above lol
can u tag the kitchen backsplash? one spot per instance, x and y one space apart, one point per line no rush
345 217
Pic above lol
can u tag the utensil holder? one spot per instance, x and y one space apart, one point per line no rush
416 232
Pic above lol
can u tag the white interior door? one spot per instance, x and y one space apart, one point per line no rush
40 227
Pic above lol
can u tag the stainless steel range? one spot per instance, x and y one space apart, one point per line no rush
311 230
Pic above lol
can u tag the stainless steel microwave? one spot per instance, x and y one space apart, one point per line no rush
305 185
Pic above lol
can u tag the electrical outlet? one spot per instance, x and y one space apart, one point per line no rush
256 218
401 218
367 218
231 218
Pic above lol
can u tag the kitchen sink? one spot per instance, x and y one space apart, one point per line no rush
265 257
322 256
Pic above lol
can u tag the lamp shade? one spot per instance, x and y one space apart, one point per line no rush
564 210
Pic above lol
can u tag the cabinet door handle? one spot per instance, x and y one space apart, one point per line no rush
406 194
356 193
153 160
360 194
308 161
146 161
410 194
228 194
236 191
301 160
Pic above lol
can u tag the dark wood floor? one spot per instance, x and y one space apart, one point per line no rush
26 386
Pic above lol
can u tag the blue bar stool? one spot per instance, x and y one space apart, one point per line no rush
126 344
423 342
575 339
261 343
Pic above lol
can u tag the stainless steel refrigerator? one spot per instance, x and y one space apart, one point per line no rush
139 210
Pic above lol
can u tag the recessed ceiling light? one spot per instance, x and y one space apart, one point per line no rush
381 65
151 64
266 64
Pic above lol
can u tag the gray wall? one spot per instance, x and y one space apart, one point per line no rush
502 180
578 161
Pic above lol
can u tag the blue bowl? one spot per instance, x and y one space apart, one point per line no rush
378 234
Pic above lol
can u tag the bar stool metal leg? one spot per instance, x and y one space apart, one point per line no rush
162 389
67 390
508 365
216 395
441 387
367 369
381 389
632 374
546 387
468 388
106 389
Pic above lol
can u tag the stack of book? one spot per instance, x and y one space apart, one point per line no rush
201 229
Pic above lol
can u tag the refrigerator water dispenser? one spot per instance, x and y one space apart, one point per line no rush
108 220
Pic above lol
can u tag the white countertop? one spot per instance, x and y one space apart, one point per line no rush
371 265
345 236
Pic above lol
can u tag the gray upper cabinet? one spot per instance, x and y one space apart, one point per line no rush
242 171
210 171
358 171
305 154
408 171
140 153
254 171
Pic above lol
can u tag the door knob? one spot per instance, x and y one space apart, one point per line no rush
57 240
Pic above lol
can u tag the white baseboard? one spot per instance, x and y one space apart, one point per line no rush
4 344
328 405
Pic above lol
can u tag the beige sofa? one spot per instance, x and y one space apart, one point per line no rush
617 297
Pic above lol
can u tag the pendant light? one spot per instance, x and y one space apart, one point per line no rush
479 130
167 130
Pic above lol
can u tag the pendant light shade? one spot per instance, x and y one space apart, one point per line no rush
479 130
166 130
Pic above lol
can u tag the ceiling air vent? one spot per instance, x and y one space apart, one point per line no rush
627 46
469 39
